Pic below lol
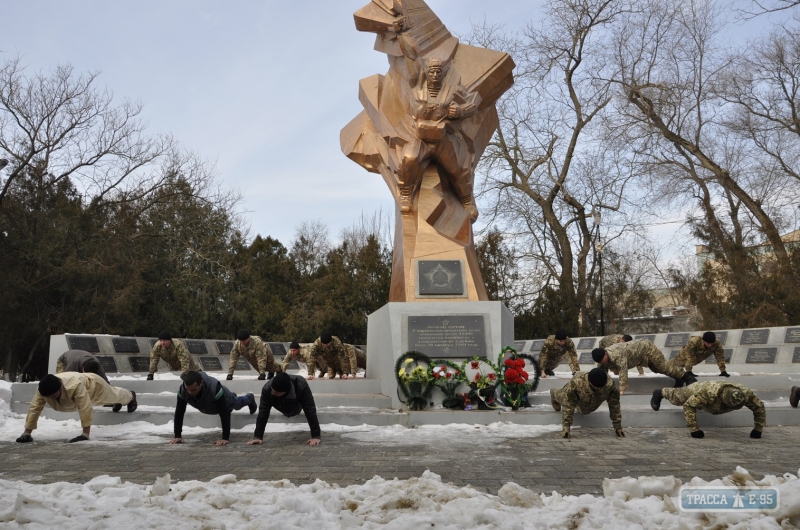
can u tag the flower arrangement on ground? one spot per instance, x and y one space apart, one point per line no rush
448 376
413 379
482 379
516 381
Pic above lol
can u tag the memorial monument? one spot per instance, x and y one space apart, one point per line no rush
424 127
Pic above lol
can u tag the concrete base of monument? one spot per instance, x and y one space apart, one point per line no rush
441 330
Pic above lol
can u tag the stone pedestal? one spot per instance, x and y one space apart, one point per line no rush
449 330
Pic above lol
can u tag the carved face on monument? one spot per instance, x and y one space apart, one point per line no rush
435 74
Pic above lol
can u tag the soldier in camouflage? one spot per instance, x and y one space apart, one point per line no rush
361 357
339 359
301 354
624 355
553 351
173 352
794 396
610 340
698 349
586 392
256 351
714 397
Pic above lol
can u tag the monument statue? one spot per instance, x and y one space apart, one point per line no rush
424 127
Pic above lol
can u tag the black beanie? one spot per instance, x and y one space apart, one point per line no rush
325 337
294 345
710 337
598 354
627 338
165 335
49 385
281 382
561 334
243 334
598 377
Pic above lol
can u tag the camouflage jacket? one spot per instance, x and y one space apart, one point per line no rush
578 393
695 352
608 340
301 357
551 351
176 356
626 355
361 357
707 396
335 356
257 352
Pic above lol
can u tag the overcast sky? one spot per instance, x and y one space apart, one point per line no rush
261 88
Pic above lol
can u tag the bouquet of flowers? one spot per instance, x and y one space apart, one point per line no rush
448 376
482 379
517 383
414 381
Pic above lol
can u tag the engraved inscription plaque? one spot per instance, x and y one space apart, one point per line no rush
722 336
761 355
440 277
586 344
125 345
447 336
78 342
153 343
728 353
139 363
754 336
676 339
211 364
198 347
585 358
242 364
278 348
519 345
796 356
108 363
792 335
224 346
651 338
673 354
536 346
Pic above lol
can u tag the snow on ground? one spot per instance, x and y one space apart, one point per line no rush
224 502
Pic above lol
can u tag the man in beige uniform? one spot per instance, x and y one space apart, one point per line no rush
554 349
339 359
256 351
71 391
698 349
624 355
361 357
174 353
302 354
610 340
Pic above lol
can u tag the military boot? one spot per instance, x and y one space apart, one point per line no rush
794 396
655 401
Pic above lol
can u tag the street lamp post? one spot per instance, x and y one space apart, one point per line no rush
597 219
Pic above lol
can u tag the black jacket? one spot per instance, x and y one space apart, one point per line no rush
290 404
214 398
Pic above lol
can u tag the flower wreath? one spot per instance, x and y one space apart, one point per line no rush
415 383
483 386
516 381
448 376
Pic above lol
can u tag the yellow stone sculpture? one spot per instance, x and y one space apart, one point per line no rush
424 127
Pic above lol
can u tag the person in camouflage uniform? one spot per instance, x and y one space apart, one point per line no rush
301 354
361 357
339 359
174 353
624 355
256 351
610 340
698 349
586 392
714 397
554 349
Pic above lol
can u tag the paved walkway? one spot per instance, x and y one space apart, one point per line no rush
546 463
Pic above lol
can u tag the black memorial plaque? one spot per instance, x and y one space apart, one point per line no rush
224 346
519 345
754 336
211 364
153 343
447 336
440 277
198 347
537 345
108 363
792 335
278 348
676 339
651 338
585 358
761 355
722 336
673 354
139 363
125 345
726 353
586 344
242 364
78 342
796 356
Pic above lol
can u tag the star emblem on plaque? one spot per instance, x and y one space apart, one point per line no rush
440 277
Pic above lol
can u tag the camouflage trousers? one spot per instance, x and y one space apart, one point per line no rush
677 396
659 365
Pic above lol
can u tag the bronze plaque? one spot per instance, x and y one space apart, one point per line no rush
727 353
224 346
754 336
447 336
761 355
796 356
198 347
139 363
440 277
125 345
211 364
792 335
676 339
651 338
108 363
278 348
586 344
586 358
78 342
537 345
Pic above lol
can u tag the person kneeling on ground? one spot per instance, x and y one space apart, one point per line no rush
714 397
209 396
71 391
586 392
289 394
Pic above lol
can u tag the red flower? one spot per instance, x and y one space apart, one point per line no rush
511 374
475 365
510 363
491 377
437 375
524 375
444 368
520 364
458 372
448 375
477 377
